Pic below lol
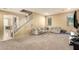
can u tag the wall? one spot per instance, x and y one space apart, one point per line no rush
38 20
78 15
60 20
1 26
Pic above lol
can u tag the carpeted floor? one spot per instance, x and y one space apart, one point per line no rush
47 41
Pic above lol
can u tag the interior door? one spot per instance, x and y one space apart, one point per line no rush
8 27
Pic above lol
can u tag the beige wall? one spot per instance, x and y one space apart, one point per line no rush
60 20
1 26
78 16
38 20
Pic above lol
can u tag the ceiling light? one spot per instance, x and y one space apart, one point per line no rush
68 8
46 14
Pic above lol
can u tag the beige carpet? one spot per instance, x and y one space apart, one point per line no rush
47 41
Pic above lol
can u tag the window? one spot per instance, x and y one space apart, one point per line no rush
70 19
49 21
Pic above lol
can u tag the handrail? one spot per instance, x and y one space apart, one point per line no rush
23 25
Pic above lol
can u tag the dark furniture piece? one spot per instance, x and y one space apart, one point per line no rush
75 43
63 31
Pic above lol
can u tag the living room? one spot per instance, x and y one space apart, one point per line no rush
58 20
32 25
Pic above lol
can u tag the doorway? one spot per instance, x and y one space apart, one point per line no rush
8 27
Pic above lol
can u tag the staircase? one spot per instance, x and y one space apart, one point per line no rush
24 29
23 25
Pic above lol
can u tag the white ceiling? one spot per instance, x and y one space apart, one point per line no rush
14 10
46 11
42 11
